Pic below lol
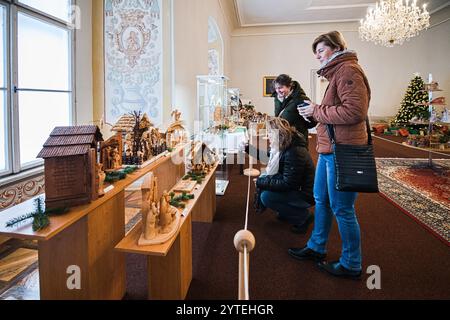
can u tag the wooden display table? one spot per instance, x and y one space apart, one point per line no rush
86 237
169 265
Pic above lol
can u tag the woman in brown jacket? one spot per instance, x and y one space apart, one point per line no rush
345 106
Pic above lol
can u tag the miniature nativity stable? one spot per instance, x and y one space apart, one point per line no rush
71 170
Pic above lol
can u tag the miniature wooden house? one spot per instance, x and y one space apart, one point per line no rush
111 152
71 171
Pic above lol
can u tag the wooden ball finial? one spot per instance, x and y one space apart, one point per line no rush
242 238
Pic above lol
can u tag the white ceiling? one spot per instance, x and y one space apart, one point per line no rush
280 12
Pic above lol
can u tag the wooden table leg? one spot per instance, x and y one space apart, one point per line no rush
170 276
89 245
205 208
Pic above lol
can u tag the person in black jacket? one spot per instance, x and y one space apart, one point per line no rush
288 96
287 185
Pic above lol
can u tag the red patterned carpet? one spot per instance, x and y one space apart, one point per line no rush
436 186
419 191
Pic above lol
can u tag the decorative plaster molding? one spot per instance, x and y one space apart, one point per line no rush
20 192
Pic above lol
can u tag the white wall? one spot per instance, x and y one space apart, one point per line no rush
191 50
83 65
258 52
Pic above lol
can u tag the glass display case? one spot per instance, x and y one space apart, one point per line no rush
212 100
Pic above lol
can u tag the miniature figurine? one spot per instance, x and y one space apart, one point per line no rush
101 180
160 220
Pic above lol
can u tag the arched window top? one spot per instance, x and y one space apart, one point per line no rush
215 48
213 31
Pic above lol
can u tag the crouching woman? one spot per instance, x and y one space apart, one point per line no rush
287 185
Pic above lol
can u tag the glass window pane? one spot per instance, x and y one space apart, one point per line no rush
56 8
43 55
2 46
39 114
3 145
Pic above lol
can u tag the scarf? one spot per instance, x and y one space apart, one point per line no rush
334 56
274 162
281 98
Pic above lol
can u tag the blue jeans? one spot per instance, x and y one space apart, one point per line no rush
331 202
289 205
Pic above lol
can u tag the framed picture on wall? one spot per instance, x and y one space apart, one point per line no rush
268 88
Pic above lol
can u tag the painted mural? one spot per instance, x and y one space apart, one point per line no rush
133 58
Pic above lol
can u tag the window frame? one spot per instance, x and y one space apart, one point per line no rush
7 70
14 8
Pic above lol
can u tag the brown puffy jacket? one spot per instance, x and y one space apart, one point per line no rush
345 103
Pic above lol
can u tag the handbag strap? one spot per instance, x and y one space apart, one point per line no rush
332 135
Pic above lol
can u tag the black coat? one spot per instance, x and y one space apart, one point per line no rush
290 113
295 172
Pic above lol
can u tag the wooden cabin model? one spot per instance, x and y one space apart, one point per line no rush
71 169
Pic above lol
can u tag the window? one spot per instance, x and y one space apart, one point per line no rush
215 48
36 89
56 8
3 91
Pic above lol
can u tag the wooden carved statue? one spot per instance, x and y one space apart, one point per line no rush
101 180
151 230
218 116
165 214
176 115
149 189
160 220
115 158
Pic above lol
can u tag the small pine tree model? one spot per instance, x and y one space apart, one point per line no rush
41 216
409 109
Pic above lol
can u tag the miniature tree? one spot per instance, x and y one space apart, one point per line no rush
409 108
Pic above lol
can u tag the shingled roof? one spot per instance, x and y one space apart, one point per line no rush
125 123
70 141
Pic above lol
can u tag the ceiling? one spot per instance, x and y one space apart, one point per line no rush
281 12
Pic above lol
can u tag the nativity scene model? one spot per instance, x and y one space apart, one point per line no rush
200 159
141 140
176 133
160 220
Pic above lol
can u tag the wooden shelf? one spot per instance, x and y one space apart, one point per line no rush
129 243
86 236
59 223
169 265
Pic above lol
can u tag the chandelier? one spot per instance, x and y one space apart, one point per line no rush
392 22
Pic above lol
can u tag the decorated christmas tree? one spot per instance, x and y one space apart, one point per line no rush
409 108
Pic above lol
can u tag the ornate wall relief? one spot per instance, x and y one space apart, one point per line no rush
20 192
133 58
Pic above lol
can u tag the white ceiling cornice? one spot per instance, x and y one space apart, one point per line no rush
257 13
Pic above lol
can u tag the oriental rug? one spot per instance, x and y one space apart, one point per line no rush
422 192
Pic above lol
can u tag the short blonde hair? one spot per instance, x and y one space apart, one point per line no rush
333 39
285 130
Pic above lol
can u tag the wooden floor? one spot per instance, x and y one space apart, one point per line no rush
19 274
19 277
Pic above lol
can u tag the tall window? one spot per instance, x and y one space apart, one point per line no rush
215 49
36 90
3 92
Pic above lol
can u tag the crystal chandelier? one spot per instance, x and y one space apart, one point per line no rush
392 22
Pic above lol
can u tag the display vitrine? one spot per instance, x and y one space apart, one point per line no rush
212 100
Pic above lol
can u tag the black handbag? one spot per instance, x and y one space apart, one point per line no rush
355 166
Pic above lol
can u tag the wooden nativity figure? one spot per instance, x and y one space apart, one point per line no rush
160 220
176 133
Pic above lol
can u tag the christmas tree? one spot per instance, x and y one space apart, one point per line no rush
409 109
